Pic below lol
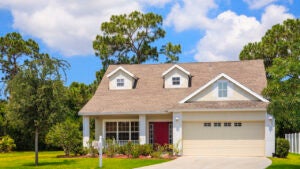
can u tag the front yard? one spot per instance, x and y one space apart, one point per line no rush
49 160
291 162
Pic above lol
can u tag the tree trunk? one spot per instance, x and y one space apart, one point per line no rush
36 145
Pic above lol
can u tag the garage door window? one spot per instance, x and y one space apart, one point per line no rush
207 124
217 124
237 124
227 124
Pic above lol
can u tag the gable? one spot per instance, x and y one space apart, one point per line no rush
236 91
128 80
184 79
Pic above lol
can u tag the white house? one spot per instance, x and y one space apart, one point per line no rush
213 108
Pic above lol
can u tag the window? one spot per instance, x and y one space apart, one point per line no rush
237 124
122 131
227 124
207 124
120 82
222 89
217 124
176 81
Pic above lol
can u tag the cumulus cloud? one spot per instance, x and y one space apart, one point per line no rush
256 4
226 34
66 26
231 32
190 14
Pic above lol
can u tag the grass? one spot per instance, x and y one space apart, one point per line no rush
291 162
49 160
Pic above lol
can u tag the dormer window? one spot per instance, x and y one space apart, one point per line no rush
222 89
120 82
118 78
175 81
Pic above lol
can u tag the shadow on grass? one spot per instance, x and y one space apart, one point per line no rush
284 166
54 163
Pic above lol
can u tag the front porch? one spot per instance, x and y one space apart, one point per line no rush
143 129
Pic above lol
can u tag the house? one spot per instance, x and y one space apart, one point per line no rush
213 108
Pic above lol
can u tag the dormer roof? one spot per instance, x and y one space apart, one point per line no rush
121 69
174 67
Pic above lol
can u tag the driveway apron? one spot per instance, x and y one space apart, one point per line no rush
199 162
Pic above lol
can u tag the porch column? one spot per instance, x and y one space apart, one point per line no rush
142 128
177 133
269 135
86 130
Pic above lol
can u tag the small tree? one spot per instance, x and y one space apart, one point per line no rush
65 135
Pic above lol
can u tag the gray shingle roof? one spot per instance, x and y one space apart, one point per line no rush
150 96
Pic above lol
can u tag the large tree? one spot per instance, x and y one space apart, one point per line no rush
14 51
129 39
37 95
280 49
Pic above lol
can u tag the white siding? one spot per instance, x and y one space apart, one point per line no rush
128 81
184 79
234 93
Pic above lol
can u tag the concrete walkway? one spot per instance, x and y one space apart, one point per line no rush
199 162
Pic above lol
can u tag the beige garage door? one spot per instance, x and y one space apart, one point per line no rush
245 140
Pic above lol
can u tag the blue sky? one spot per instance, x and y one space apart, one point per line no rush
208 30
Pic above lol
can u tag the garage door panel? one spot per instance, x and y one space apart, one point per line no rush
247 140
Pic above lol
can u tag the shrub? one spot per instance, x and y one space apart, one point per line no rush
146 149
282 148
65 135
111 148
128 148
6 144
135 151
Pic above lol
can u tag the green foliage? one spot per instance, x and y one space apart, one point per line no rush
111 148
14 52
280 49
282 147
37 95
281 41
65 135
128 39
6 144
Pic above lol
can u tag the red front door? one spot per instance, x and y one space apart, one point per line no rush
161 132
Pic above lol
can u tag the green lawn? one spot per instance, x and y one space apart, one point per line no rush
291 162
49 160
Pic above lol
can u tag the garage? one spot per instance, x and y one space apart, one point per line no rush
223 138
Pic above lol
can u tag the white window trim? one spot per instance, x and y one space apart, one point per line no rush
176 80
117 120
227 94
120 83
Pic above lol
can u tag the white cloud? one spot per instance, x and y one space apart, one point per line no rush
226 34
256 4
66 26
190 14
231 32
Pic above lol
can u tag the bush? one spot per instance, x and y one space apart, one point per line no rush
146 149
282 148
111 148
6 144
65 135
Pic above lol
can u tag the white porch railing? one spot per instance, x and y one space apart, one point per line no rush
294 140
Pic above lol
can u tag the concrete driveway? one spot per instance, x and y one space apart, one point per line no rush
199 162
